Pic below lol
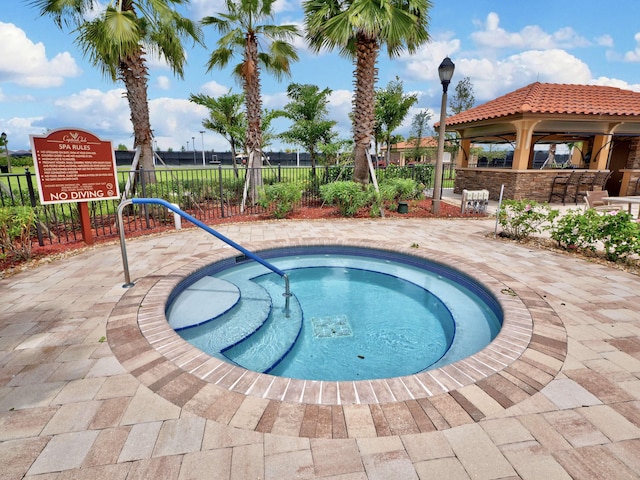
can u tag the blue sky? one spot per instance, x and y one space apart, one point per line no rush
502 45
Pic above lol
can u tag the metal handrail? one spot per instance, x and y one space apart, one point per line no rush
195 221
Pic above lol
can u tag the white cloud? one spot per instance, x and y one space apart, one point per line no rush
340 106
163 82
492 77
214 89
18 130
175 121
104 113
605 41
203 8
26 63
634 55
530 37
423 65
614 82
275 100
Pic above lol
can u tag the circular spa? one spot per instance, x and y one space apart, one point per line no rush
353 314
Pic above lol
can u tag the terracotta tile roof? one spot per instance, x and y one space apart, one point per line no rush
554 98
424 142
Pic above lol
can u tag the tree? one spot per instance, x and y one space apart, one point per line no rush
226 118
308 112
259 46
268 132
336 151
391 108
419 128
463 98
359 28
116 37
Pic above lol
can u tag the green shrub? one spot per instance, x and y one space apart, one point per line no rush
520 219
620 235
618 232
348 196
396 189
280 197
422 173
576 229
232 188
16 225
339 173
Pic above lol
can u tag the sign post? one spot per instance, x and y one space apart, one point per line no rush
73 165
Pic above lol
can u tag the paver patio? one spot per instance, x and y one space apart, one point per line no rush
83 396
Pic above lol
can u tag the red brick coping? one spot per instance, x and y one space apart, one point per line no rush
525 356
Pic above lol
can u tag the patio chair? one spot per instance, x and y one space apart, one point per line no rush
585 184
594 199
600 180
565 186
559 186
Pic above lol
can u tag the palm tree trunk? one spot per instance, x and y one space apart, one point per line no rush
364 104
134 74
254 117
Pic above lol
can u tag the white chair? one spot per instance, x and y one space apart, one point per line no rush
594 199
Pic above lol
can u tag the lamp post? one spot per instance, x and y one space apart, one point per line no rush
445 72
202 136
193 143
5 142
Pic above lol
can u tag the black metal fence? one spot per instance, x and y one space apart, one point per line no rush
208 194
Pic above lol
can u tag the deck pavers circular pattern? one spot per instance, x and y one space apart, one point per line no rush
525 356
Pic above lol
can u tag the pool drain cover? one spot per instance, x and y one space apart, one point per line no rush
329 327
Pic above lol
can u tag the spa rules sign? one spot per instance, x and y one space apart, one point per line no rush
73 165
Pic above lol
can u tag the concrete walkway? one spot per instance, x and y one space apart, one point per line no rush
80 398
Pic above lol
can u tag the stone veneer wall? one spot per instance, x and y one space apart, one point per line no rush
518 184
634 154
633 163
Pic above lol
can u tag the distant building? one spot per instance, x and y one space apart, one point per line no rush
402 153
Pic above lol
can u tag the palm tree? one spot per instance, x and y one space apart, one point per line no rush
359 28
117 39
226 118
391 107
308 112
259 46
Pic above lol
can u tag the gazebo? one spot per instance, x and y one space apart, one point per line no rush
601 124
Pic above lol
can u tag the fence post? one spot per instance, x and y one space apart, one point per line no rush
32 200
221 191
143 185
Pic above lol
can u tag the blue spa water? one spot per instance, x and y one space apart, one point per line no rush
352 317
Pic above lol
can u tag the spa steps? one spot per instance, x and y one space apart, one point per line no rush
243 322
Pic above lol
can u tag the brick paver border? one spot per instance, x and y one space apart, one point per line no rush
526 355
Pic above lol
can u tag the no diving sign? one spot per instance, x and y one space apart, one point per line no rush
74 165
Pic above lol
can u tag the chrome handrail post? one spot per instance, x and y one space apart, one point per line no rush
125 262
286 294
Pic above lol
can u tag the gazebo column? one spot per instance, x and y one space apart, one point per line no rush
522 152
600 152
464 153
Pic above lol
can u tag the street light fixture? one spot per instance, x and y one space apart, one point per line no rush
202 136
445 72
